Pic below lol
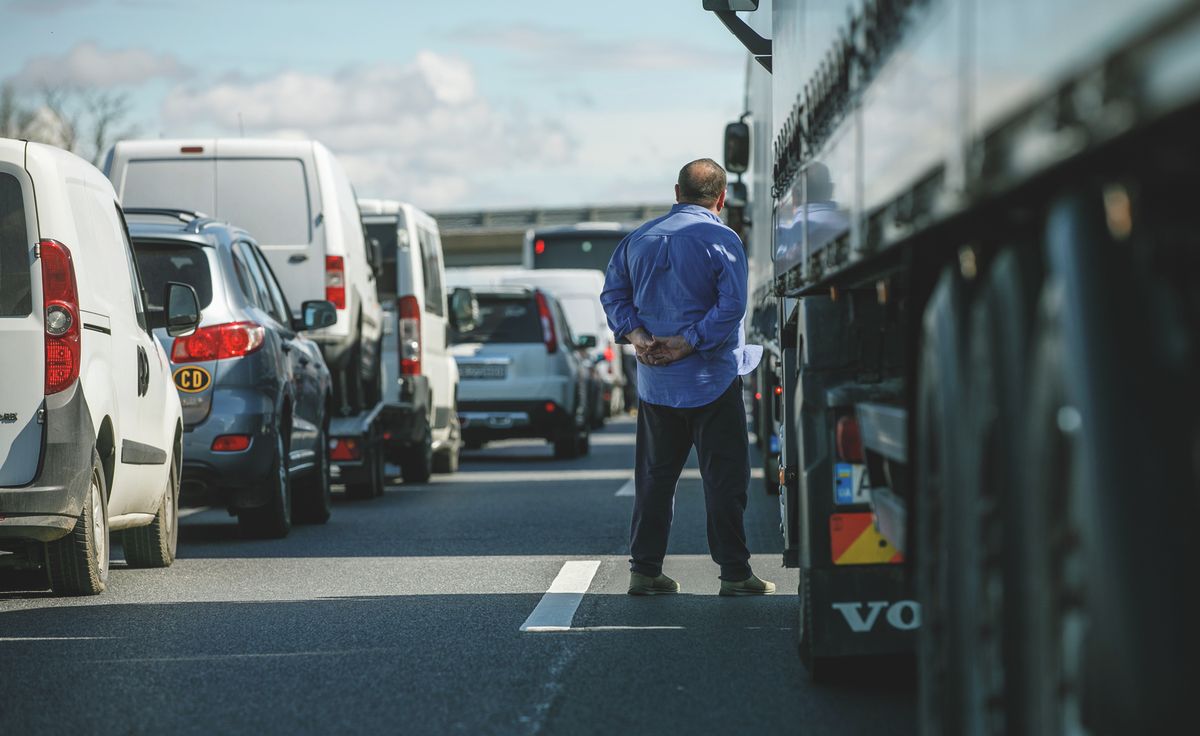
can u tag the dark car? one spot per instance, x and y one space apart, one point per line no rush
255 393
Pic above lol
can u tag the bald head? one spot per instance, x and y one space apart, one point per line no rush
701 182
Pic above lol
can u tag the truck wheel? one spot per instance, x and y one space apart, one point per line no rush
274 520
154 545
77 564
416 463
313 500
939 462
992 539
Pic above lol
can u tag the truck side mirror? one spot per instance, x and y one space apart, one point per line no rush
464 310
737 147
183 309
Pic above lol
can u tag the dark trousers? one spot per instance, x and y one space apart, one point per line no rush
665 437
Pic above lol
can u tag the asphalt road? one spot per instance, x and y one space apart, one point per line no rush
403 615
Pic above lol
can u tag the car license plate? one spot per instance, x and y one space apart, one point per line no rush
485 371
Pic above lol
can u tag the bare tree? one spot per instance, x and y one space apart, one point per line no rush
84 121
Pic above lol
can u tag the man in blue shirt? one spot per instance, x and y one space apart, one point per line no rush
676 290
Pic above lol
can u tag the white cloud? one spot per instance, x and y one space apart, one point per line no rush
569 48
89 65
418 131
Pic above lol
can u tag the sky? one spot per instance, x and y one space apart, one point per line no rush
474 104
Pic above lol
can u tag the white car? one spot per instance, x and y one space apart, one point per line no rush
420 387
90 423
299 204
578 291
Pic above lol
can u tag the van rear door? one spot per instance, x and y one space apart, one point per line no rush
22 346
275 200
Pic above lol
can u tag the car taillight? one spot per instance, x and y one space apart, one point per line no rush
343 449
335 281
410 335
230 340
231 443
548 335
60 301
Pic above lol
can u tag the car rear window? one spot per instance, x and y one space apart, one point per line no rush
385 233
187 184
504 318
162 262
268 197
15 297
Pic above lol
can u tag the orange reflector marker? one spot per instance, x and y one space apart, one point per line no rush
231 443
345 449
853 540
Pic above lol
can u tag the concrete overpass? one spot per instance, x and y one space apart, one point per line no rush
495 237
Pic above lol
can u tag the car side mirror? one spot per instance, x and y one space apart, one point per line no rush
316 314
737 147
585 342
464 310
183 309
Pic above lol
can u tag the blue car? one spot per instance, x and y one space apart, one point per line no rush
255 392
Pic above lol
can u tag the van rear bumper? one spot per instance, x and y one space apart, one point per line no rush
47 508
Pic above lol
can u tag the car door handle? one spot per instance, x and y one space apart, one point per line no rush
297 258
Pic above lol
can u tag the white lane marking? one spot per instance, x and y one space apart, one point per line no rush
688 474
53 638
549 475
628 628
556 609
251 655
184 513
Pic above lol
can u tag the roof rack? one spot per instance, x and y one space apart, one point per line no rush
191 218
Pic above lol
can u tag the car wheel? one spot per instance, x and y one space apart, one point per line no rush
154 545
274 520
313 499
370 482
416 463
78 563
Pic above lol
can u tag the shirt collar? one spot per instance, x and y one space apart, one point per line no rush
694 209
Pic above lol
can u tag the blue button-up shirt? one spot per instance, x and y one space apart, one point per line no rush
681 274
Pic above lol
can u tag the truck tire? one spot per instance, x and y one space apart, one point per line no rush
154 545
416 462
273 520
938 476
312 499
77 564
992 544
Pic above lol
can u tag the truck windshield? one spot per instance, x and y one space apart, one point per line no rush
503 318
575 250
15 297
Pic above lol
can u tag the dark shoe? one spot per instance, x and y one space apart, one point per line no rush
645 585
750 586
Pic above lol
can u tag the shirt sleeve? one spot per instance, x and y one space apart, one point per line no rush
711 334
617 296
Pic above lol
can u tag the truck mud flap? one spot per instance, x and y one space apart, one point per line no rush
861 610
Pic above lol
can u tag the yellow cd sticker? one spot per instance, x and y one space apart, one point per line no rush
192 379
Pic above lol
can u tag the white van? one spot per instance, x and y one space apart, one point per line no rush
419 373
296 200
90 423
578 290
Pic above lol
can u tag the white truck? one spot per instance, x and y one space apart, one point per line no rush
982 308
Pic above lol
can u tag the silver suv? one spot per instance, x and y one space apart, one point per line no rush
522 373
